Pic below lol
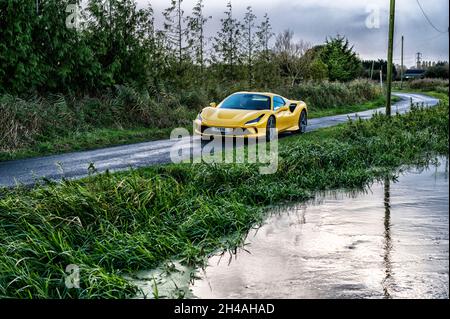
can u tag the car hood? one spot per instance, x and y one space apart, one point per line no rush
221 117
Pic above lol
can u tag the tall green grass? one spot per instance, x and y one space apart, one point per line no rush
425 85
332 95
113 224
27 121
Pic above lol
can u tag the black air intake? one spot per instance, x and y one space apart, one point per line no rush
292 107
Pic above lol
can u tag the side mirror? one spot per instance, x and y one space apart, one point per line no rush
213 104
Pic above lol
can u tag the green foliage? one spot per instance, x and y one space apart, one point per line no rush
26 122
372 68
175 30
37 49
266 72
197 37
343 63
440 70
116 43
121 38
436 85
328 95
226 43
249 43
318 70
113 224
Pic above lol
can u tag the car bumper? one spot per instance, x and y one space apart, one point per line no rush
229 132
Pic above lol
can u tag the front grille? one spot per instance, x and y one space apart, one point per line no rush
215 130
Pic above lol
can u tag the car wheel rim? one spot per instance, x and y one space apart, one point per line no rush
303 122
270 127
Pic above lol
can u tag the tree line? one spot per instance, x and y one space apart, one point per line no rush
54 46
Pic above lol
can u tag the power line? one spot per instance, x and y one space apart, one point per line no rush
428 19
418 43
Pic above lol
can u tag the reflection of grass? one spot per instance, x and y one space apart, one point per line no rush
113 224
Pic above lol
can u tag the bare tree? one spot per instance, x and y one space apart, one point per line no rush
289 55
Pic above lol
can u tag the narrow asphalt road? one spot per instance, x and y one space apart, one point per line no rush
75 165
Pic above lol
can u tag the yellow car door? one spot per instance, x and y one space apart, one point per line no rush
282 113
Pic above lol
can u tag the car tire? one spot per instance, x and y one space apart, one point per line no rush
302 122
270 129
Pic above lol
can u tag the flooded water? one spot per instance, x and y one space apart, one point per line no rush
389 242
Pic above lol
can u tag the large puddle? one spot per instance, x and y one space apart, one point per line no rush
390 242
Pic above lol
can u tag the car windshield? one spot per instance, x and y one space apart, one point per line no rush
245 101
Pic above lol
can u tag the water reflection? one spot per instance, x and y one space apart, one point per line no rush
390 241
387 239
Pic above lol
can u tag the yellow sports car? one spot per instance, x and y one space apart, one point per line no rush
252 114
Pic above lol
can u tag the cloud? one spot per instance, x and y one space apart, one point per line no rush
314 20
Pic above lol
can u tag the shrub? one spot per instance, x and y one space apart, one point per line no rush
333 94
438 85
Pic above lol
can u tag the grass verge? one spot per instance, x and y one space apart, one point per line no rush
112 224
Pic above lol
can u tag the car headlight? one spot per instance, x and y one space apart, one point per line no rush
255 120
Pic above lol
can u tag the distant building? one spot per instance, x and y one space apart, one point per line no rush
412 74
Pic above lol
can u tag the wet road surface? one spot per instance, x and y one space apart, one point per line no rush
75 165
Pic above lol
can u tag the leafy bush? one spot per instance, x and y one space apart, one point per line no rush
437 85
25 121
333 94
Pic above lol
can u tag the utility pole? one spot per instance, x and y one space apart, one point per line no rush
401 71
390 53
381 78
371 70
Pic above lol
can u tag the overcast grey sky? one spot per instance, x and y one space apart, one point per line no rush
313 21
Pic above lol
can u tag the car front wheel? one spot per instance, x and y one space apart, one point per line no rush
302 122
270 129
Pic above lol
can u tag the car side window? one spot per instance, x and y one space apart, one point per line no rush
278 102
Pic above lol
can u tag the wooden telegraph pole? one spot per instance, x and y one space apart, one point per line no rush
371 70
401 71
390 53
